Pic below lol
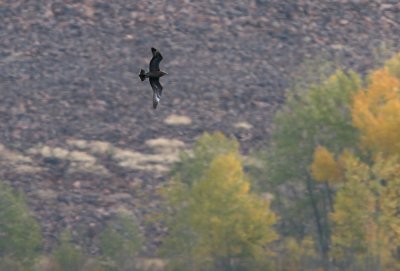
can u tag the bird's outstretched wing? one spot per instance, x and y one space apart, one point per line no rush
155 61
157 90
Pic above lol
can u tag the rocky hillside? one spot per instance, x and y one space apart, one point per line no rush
77 130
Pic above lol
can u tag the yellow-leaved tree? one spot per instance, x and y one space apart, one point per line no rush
237 223
376 113
318 115
366 222
324 166
217 223
366 216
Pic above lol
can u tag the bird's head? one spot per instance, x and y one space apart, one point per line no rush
163 73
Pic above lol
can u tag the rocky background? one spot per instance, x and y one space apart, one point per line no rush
77 130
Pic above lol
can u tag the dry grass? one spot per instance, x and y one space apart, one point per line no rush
148 162
13 156
178 120
243 125
83 158
167 152
88 167
47 151
80 161
23 169
78 143
46 194
164 145
95 147
16 160
141 161
151 264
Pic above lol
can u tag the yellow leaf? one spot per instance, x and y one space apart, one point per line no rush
376 113
324 166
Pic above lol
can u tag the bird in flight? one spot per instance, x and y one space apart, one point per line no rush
154 75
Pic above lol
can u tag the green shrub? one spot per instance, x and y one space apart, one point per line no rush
20 234
67 256
120 242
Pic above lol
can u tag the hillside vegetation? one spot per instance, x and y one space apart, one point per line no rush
324 195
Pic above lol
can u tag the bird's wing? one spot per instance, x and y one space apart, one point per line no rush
155 61
157 90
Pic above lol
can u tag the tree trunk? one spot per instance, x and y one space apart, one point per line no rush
321 230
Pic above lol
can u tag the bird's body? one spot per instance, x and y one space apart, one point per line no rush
154 75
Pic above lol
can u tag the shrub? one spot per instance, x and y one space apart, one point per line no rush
120 242
67 256
20 233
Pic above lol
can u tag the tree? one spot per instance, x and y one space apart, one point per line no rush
365 230
390 205
193 163
319 116
393 65
68 256
20 233
294 255
366 219
324 166
376 113
120 242
217 223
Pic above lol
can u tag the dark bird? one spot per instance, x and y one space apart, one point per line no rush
154 75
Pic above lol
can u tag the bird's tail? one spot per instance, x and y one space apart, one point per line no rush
142 74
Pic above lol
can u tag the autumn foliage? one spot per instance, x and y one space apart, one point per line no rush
325 168
218 223
366 217
376 113
327 198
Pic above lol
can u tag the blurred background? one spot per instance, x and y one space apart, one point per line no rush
94 179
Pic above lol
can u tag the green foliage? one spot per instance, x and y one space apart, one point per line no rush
216 223
120 241
293 255
92 265
366 231
193 164
321 116
20 233
67 256
317 115
365 220
311 72
9 263
393 65
354 204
